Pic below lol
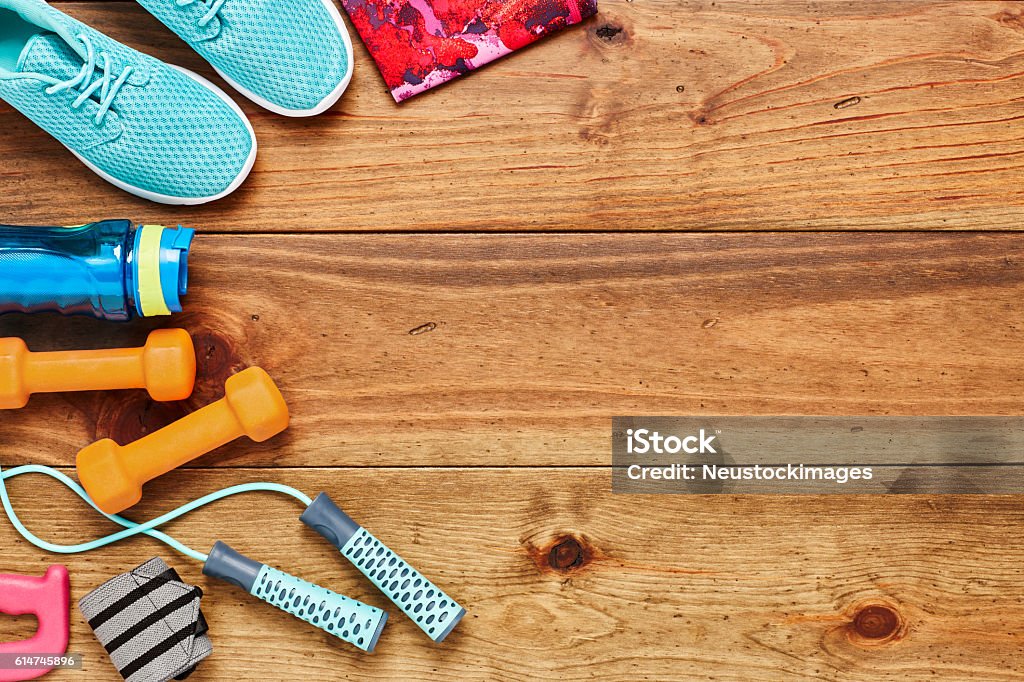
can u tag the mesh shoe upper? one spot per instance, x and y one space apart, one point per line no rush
165 132
292 53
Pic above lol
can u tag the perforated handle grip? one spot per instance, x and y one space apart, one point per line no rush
353 621
347 619
431 609
427 605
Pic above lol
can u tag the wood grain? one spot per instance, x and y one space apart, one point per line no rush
518 349
654 587
453 391
654 115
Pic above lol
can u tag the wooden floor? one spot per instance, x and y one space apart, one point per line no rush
727 207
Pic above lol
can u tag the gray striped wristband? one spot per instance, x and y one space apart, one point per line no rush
149 622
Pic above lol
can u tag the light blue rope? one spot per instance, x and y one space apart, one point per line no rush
131 528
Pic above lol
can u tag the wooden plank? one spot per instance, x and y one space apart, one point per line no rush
657 114
564 580
518 349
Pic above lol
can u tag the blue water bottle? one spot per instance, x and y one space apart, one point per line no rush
111 270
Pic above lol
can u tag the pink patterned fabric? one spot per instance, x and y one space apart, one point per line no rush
419 44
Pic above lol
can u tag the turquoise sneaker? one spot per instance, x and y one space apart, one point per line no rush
293 57
154 130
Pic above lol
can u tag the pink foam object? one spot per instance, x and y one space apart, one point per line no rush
48 599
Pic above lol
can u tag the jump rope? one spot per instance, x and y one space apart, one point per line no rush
131 528
111 478
360 624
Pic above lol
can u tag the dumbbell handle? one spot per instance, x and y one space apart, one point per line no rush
357 623
182 441
99 370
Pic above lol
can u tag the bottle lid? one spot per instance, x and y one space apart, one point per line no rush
161 268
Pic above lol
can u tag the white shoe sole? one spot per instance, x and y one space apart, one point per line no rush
187 201
327 102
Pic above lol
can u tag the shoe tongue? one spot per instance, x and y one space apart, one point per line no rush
48 54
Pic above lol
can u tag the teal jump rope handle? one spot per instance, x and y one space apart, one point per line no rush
432 610
347 619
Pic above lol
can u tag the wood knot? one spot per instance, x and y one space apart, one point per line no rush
216 360
222 344
128 417
876 624
1011 20
700 117
561 553
611 31
568 554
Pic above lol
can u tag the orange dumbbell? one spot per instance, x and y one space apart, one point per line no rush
113 474
165 366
